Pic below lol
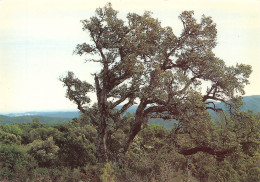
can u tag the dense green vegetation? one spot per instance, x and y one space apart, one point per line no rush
67 152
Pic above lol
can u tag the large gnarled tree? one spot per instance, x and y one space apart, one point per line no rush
145 63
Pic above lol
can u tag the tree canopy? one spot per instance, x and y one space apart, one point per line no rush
165 74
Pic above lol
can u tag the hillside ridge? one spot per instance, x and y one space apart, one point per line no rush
55 117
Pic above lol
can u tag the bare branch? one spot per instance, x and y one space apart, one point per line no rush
221 154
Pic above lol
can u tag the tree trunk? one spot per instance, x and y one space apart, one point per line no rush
102 129
101 145
136 127
103 119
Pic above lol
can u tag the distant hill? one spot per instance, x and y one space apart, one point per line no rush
251 102
28 119
54 117
58 114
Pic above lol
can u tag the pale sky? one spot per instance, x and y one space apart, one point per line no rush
37 39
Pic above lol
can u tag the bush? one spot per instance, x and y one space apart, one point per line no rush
15 162
45 152
76 148
9 138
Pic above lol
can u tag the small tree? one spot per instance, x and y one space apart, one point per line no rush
45 152
143 62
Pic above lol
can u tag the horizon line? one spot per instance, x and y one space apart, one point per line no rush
63 110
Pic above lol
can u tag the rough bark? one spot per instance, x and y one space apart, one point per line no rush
137 125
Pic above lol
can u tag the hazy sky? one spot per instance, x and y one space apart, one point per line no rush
37 39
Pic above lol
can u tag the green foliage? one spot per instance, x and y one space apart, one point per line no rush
143 61
153 137
69 152
10 134
41 133
9 138
36 131
12 128
76 145
107 175
61 174
15 162
45 152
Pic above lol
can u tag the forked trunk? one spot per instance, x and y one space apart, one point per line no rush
136 127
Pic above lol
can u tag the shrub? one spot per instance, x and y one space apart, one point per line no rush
45 152
15 162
